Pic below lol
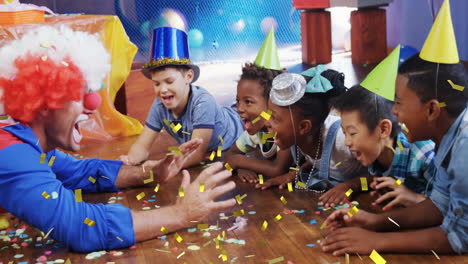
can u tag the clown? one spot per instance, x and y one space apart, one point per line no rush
49 78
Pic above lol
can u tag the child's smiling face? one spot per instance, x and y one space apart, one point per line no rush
281 123
250 104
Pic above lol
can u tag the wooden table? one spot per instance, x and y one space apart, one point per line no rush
286 238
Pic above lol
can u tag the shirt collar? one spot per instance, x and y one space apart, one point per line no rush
25 134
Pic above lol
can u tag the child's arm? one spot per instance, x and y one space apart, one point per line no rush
205 134
265 167
337 194
140 149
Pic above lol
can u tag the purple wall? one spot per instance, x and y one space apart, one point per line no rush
409 23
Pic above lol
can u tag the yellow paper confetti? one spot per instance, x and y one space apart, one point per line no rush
323 226
45 44
276 260
301 184
349 192
187 133
337 164
239 213
176 128
51 161
166 122
42 159
393 221
260 178
48 233
178 237
442 104
68 261
266 115
398 182
264 225
156 189
266 136
212 156
140 196
219 151
346 258
228 167
278 217
164 230
44 58
64 63
78 197
400 146
353 211
91 179
377 258
176 150
224 235
256 120
403 126
290 188
181 192
46 195
364 186
456 86
151 178
89 222
120 239
283 200
202 226
202 187
393 150
181 254
293 168
435 254
238 199
221 139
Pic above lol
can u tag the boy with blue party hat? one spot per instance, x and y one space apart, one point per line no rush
186 111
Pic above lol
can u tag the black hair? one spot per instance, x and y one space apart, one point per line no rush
371 107
423 75
264 76
316 106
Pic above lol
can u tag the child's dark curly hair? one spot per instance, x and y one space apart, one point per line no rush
264 76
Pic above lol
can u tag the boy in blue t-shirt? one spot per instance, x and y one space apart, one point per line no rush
184 110
373 135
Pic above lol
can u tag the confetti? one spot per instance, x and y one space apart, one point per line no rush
239 213
166 122
400 146
364 186
349 192
310 245
264 225
456 86
51 161
181 192
202 226
228 167
301 184
140 196
178 237
283 200
346 258
238 199
78 197
278 217
89 222
290 188
338 164
45 44
403 126
256 120
212 155
151 178
313 222
156 189
293 168
187 133
393 221
91 179
221 139
442 104
353 211
435 254
398 183
46 195
120 239
393 150
42 159
176 150
48 233
176 128
181 254
64 63
276 260
44 58
377 258
266 115
219 152
323 226
164 230
260 178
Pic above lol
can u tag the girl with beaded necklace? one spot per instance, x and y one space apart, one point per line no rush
302 121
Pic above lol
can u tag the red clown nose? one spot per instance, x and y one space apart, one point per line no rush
92 101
